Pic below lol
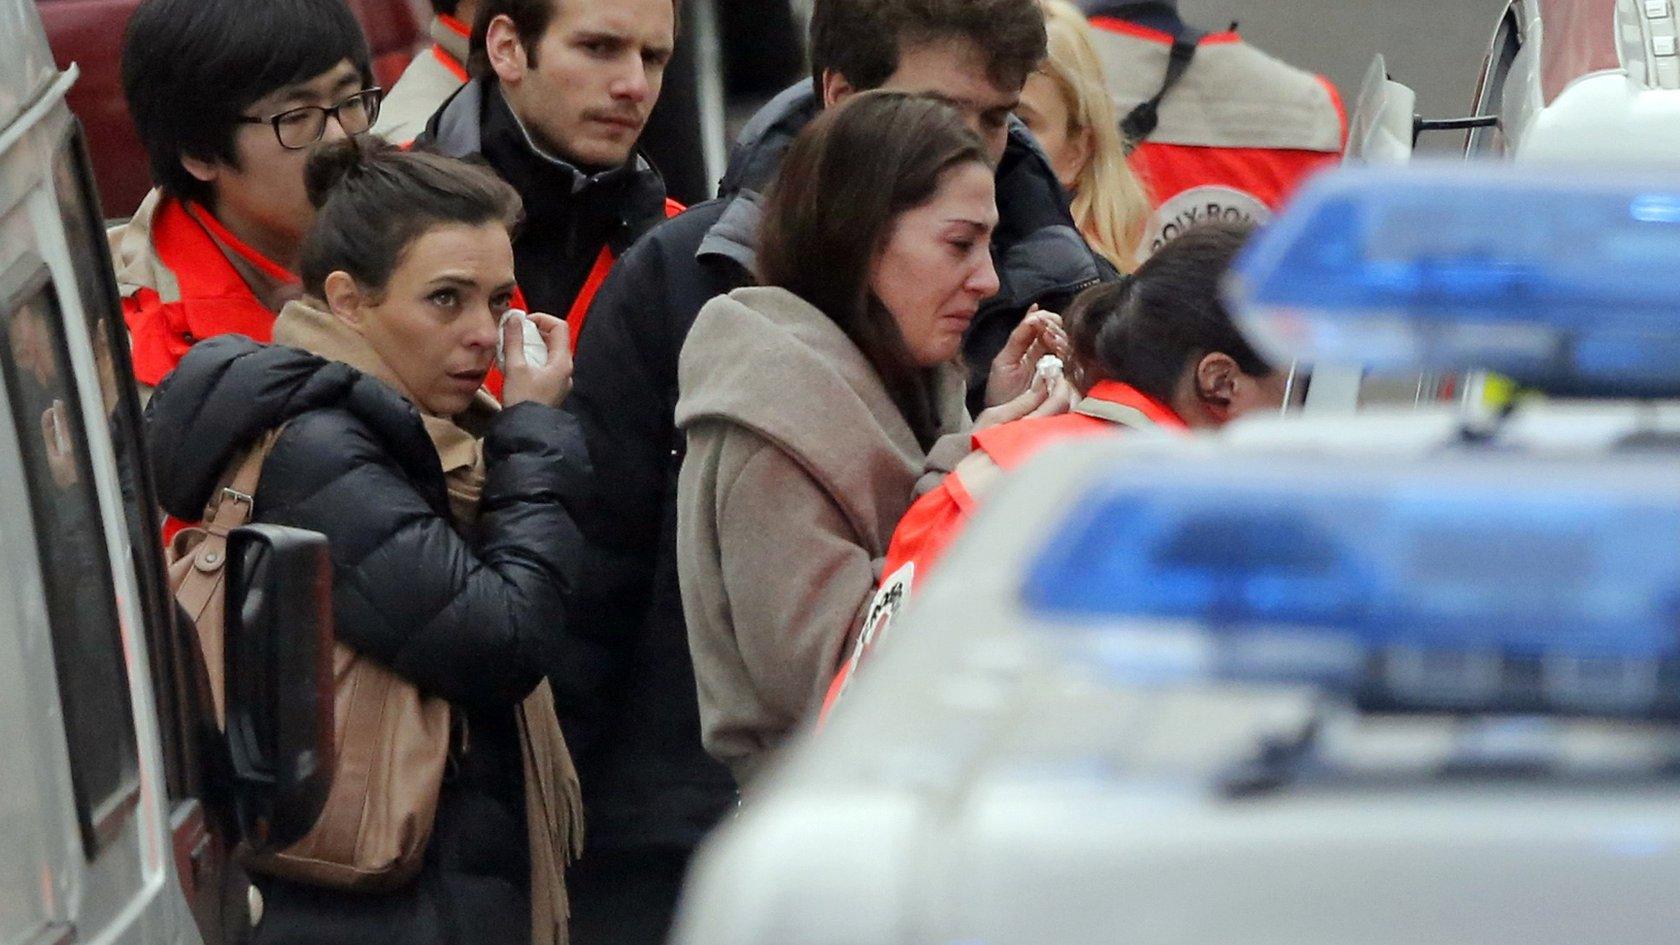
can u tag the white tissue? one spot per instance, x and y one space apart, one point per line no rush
1050 368
536 349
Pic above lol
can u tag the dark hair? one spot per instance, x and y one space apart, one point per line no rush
862 39
445 7
375 199
530 20
844 182
1144 329
190 68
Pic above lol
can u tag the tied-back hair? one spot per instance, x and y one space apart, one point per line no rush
1109 204
375 199
845 181
1145 329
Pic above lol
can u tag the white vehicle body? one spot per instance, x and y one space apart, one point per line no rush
989 781
1589 82
1583 81
1406 676
101 818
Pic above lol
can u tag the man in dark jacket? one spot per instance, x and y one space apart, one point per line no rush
651 789
560 94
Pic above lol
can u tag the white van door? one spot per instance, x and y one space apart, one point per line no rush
80 716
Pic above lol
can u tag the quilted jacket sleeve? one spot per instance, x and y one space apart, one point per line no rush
476 622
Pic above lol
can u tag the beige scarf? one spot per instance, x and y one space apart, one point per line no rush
553 802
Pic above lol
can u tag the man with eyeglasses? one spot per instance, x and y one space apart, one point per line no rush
560 93
228 97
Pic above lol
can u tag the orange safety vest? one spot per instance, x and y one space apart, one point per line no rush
214 299
1237 135
937 518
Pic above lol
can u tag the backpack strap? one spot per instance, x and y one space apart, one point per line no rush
1140 122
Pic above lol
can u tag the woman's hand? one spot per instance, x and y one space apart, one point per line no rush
522 381
1038 400
1040 333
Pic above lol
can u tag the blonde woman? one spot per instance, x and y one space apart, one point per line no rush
1066 105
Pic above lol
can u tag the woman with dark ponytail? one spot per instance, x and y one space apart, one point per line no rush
451 543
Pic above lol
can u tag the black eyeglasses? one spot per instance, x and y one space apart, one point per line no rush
298 128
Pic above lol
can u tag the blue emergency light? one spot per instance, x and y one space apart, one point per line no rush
1424 591
1561 280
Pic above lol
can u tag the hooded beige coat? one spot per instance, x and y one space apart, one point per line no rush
799 467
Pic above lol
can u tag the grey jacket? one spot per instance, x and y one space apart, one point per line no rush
799 467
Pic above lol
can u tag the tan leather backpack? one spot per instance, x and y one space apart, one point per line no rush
391 744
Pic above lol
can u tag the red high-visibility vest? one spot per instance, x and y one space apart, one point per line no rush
937 518
212 297
1237 133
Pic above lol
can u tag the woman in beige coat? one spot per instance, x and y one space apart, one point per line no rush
815 402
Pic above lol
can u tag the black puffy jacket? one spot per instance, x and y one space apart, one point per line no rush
474 621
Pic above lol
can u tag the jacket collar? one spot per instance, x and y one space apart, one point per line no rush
1123 404
476 120
767 360
272 284
753 164
229 390
198 254
168 251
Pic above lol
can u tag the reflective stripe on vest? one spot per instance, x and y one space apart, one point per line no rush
449 62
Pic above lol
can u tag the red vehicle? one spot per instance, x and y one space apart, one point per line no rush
90 34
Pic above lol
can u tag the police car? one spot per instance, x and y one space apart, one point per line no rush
120 802
1404 677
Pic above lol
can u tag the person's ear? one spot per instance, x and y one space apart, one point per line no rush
206 171
505 50
835 88
1217 378
344 298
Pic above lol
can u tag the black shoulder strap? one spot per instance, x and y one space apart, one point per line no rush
1140 122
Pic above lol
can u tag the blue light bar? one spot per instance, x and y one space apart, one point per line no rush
1560 280
1531 579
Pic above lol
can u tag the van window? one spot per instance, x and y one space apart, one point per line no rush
172 666
70 544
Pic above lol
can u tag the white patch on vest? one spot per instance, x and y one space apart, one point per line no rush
1209 203
894 593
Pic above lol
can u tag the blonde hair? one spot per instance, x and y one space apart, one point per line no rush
1109 204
